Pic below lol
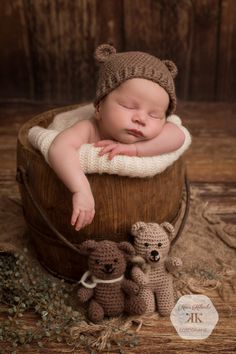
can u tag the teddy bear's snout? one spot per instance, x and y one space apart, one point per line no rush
154 256
108 268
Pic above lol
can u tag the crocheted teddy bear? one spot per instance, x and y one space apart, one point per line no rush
107 285
152 269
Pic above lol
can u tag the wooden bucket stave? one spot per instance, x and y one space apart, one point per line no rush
119 201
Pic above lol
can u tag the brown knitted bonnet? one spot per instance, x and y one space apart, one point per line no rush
116 68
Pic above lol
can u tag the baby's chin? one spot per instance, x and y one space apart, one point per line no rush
128 139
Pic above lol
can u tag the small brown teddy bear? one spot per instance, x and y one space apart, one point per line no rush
107 285
152 243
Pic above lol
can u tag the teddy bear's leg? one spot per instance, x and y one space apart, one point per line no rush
165 299
135 305
149 299
95 311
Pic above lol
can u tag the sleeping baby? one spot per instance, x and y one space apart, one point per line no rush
135 94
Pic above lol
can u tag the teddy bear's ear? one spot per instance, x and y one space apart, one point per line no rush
171 67
104 52
169 229
138 226
127 248
87 247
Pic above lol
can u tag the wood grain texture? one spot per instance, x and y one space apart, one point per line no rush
204 55
61 38
226 73
15 75
161 337
164 29
212 155
110 23
47 46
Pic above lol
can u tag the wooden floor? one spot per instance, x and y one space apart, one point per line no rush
211 159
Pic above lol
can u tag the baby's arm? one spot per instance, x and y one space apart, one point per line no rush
64 159
170 139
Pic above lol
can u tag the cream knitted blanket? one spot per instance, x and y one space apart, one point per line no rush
41 139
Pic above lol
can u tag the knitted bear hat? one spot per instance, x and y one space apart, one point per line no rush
116 68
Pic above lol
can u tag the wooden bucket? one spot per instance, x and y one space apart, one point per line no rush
120 202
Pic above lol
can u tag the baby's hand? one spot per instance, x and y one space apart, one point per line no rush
115 148
83 209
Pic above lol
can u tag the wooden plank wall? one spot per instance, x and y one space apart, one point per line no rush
47 45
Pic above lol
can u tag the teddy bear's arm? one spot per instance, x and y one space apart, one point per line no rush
84 294
173 263
130 287
138 276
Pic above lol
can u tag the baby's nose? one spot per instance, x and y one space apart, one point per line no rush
139 118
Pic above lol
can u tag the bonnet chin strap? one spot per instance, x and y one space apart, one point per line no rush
96 280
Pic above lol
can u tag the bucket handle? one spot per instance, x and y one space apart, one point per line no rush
22 178
186 210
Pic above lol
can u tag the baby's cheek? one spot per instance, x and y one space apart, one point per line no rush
161 124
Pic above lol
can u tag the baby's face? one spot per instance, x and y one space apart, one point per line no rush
134 111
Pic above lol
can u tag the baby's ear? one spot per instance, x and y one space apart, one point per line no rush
171 67
169 230
126 248
137 227
97 111
87 247
104 52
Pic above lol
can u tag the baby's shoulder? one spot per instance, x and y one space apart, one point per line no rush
82 124
87 127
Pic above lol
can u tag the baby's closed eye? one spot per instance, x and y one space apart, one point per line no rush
156 115
127 105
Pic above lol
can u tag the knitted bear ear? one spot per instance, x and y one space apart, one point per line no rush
127 248
87 247
171 67
104 52
138 226
169 229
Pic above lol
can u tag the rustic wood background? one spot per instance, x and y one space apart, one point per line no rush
47 45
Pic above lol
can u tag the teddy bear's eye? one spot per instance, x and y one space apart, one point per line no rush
146 244
97 261
159 244
116 260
